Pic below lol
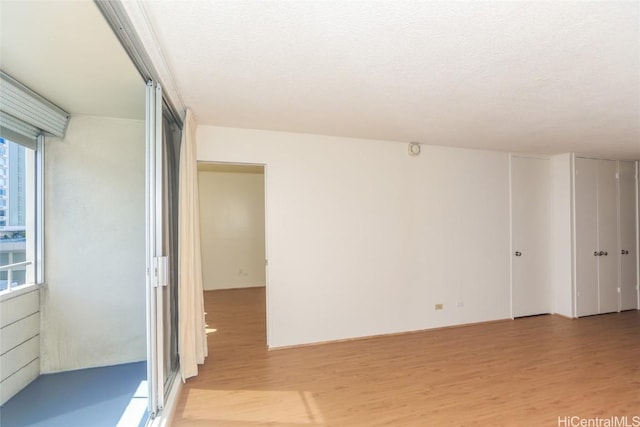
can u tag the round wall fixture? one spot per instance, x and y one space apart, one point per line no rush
414 148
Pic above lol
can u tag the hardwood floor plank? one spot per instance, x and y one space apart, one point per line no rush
526 372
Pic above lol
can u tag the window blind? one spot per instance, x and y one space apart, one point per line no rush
24 114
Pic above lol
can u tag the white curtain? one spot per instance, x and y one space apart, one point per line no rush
192 335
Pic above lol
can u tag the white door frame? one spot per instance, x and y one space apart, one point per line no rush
266 230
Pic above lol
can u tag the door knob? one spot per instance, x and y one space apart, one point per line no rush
518 253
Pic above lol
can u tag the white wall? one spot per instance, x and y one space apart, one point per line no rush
562 225
19 340
232 229
93 304
364 239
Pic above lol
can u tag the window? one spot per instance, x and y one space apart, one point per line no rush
25 119
18 215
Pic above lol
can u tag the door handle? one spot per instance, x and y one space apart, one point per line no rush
596 253
518 253
625 252
603 253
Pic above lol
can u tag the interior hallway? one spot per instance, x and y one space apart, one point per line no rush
526 372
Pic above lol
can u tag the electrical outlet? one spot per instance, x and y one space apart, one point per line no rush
439 306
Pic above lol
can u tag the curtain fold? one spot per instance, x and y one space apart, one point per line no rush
192 336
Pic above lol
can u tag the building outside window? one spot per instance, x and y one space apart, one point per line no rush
17 214
26 119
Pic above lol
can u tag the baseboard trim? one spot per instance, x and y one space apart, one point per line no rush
564 316
234 289
391 334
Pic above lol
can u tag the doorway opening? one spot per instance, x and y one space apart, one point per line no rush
234 255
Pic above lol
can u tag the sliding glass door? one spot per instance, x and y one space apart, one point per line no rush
162 148
171 137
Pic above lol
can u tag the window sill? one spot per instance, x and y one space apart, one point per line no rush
17 291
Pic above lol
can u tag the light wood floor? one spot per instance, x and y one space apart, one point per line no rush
526 372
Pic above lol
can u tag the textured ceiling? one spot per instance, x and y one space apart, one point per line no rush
66 51
528 76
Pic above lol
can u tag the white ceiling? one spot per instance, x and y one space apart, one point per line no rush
66 51
528 76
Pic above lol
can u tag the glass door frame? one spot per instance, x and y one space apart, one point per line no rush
156 276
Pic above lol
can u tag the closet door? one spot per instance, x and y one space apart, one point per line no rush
627 250
531 237
608 236
586 237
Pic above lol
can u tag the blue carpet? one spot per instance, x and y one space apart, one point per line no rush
93 397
